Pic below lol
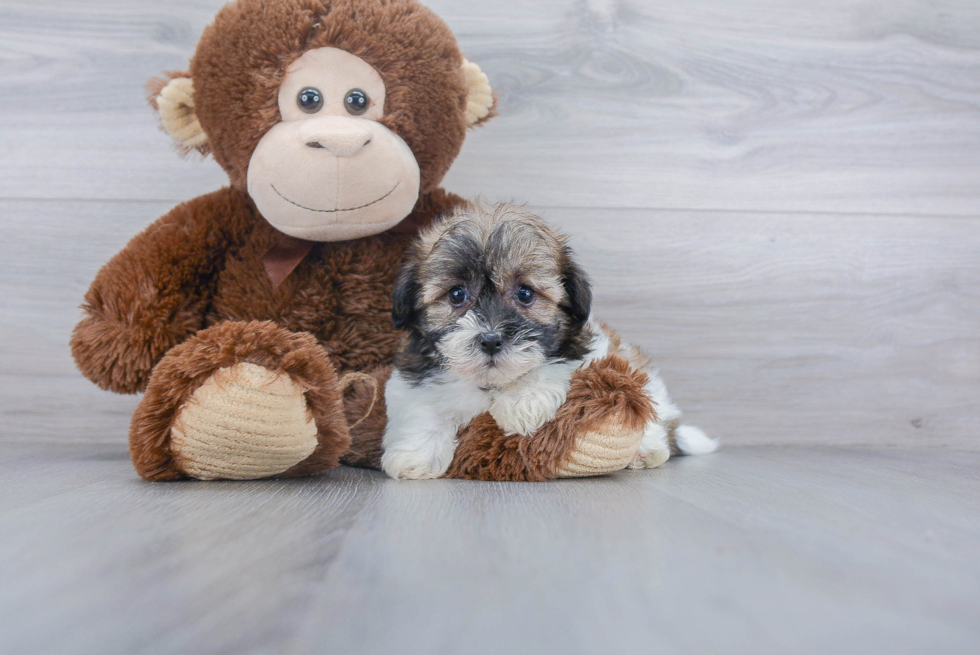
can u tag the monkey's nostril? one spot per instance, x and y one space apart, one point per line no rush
368 142
314 144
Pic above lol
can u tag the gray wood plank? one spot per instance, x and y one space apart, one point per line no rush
754 550
811 328
98 561
768 329
844 105
793 550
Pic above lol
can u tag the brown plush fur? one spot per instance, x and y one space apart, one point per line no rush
364 405
201 265
243 55
187 366
606 394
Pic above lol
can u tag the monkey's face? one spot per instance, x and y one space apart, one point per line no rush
336 116
330 171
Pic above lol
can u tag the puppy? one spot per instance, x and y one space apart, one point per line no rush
498 318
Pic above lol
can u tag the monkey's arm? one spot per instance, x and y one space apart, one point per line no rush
153 294
596 431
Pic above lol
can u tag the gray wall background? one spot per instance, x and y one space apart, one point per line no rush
779 199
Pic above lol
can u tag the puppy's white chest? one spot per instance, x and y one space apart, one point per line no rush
423 419
532 400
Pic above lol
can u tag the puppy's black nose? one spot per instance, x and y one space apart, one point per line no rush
491 343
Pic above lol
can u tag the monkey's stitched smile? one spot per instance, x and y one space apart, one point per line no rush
334 211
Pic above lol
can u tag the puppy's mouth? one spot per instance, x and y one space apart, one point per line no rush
500 369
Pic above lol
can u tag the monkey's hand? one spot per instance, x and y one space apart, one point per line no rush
596 430
153 294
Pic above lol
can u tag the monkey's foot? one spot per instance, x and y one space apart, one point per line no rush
245 422
240 401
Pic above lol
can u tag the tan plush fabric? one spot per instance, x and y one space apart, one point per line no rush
176 106
245 422
606 398
479 101
596 453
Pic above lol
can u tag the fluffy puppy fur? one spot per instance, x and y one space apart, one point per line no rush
498 318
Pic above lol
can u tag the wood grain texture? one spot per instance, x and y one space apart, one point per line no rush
778 199
803 329
804 326
103 556
749 550
761 105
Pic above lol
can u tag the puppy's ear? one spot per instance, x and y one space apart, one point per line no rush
404 300
578 290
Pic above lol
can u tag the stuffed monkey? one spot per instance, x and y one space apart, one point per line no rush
257 319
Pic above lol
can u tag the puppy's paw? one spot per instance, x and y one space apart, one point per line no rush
649 459
533 400
422 464
654 448
523 415
525 412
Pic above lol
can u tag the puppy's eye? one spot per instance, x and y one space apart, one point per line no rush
525 295
310 100
357 102
457 296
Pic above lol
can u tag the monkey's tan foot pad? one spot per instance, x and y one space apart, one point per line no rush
597 452
245 422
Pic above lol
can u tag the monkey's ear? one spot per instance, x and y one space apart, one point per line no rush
578 290
481 103
173 98
404 300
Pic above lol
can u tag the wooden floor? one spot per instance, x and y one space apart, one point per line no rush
750 550
780 200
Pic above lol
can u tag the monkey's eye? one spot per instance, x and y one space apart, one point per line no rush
457 296
310 100
357 102
525 295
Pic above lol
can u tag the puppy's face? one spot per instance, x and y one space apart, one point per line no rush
489 294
